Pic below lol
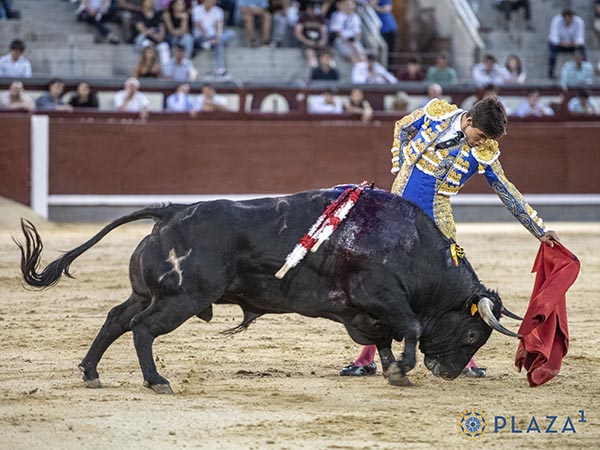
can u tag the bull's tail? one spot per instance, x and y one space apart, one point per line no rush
31 251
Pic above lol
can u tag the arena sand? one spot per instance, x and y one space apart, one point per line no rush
276 386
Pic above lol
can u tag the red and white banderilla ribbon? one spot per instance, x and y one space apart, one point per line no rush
323 228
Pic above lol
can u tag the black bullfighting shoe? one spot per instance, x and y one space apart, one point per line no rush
474 372
359 371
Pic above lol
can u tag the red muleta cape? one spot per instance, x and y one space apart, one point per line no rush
545 330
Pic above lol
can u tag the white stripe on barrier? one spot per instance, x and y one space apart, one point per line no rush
134 200
39 164
463 199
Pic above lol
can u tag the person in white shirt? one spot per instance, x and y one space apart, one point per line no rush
327 103
371 72
210 101
346 27
209 32
14 64
180 68
131 100
583 104
489 72
533 106
15 99
181 100
576 72
567 34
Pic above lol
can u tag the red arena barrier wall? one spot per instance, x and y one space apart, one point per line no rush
181 156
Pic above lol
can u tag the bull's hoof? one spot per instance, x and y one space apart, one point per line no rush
159 388
397 378
93 383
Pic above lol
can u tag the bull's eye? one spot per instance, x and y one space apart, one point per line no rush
472 336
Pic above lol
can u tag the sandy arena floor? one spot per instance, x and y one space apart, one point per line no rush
276 385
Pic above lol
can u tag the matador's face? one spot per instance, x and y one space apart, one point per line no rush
474 135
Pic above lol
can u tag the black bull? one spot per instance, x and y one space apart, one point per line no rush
386 274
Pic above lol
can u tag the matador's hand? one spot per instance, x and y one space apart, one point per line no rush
550 237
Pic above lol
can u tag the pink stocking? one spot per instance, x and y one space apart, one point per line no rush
367 355
472 363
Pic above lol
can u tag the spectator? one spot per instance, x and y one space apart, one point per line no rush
15 99
345 28
357 104
151 31
413 70
577 71
131 100
514 72
508 6
210 101
179 67
567 34
148 66
389 27
177 22
97 13
209 32
401 101
583 104
228 6
311 33
252 10
51 100
441 72
488 72
127 11
327 103
324 71
371 72
7 11
14 64
84 97
181 100
492 91
285 17
434 90
533 106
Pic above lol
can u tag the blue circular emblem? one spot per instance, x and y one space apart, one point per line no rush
472 424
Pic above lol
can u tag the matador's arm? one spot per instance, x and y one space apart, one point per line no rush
404 130
487 155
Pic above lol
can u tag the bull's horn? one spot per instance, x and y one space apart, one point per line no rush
508 313
484 306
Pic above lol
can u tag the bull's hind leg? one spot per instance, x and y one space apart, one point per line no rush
117 323
161 317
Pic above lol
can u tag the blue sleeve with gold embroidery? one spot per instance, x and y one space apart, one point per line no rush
404 130
513 199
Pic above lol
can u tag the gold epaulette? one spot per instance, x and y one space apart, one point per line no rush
439 109
408 119
486 153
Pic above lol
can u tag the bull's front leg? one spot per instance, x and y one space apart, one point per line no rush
397 373
386 356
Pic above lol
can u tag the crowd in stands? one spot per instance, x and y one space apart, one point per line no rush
169 33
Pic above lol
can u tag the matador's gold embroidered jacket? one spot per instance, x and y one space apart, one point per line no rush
429 176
